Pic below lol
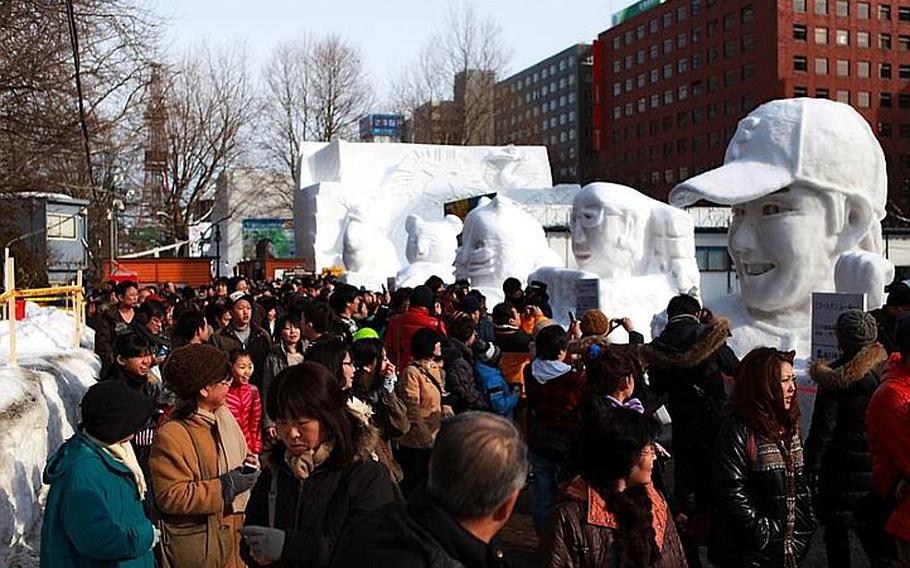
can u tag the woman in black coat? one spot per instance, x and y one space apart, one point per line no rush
762 509
837 450
319 476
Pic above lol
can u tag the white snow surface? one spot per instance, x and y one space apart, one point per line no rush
39 404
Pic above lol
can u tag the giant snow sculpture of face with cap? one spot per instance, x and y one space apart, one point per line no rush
807 183
500 240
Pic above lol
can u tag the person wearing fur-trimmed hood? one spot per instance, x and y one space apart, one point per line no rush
321 474
837 453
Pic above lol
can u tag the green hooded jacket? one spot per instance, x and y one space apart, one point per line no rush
93 517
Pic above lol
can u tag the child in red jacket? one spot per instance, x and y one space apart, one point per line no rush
243 400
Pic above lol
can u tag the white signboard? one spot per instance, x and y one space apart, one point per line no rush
587 295
826 307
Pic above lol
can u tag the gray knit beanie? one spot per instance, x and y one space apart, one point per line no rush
857 327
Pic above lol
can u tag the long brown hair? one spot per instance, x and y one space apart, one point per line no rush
757 397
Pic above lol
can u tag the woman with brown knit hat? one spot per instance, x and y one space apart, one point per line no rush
201 468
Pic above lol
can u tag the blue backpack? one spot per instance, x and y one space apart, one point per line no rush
494 386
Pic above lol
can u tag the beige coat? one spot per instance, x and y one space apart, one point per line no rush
421 388
183 498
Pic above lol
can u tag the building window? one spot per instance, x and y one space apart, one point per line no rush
884 41
862 39
730 74
821 36
863 99
800 92
655 100
696 34
617 113
617 89
640 32
681 40
746 14
668 97
729 48
729 21
903 72
884 100
712 111
842 8
712 259
697 88
730 107
821 93
843 68
842 38
628 84
821 7
799 32
61 226
884 129
617 65
748 43
652 26
903 13
680 13
904 130
668 46
682 93
668 20
862 68
821 66
654 75
712 83
654 51
903 101
696 60
640 56
843 97
748 71
884 12
682 66
668 70
799 6
903 43
641 80
696 7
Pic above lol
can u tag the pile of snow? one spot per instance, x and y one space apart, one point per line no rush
44 331
39 404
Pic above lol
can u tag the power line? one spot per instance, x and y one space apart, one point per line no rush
74 43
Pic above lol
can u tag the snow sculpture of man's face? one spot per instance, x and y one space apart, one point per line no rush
499 240
783 247
432 241
608 230
807 183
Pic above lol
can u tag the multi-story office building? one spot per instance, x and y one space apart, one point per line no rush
549 103
381 128
673 78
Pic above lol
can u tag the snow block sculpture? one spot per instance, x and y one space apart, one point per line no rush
642 252
388 182
807 182
431 250
500 240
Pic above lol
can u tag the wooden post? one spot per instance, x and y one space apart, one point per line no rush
77 309
10 271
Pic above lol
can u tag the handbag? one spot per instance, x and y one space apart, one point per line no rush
200 545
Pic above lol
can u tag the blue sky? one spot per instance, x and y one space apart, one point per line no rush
389 32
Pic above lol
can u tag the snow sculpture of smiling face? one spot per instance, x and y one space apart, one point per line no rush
432 241
807 182
500 240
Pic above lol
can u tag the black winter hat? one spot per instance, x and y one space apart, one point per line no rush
112 411
423 297
902 334
898 294
194 367
423 342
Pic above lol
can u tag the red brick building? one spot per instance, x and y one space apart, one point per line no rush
672 81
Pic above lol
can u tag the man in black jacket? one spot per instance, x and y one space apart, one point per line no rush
687 364
478 467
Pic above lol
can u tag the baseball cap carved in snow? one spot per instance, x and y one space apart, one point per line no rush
824 144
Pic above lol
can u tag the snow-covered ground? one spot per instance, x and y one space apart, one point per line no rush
39 405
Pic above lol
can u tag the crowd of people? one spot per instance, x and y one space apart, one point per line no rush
312 423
